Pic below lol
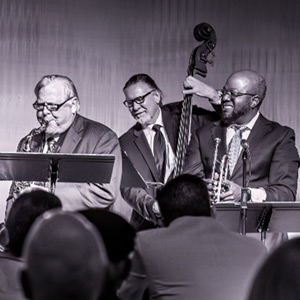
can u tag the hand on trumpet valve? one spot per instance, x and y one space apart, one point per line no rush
218 191
233 193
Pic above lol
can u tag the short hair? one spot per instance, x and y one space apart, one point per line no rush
24 211
65 258
70 88
118 235
145 78
185 195
279 276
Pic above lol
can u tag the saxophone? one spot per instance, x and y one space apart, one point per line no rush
26 145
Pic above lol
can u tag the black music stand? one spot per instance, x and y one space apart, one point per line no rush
130 176
261 217
54 167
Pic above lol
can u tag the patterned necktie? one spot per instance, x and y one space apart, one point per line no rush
234 146
159 151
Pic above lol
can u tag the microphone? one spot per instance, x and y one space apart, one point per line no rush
245 146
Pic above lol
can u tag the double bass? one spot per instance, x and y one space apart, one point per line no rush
197 66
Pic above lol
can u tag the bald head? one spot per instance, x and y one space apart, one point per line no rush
66 258
253 82
242 96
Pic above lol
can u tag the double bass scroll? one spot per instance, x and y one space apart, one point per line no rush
197 66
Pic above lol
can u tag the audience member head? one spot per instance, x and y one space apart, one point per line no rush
118 236
26 208
143 99
242 96
65 258
57 103
186 195
279 276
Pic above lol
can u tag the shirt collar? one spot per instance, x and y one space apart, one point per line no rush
253 121
158 121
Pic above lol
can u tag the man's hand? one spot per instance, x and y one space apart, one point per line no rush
232 190
233 194
194 86
157 214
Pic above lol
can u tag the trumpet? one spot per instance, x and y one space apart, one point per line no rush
219 184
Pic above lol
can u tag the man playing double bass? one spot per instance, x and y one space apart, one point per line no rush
151 144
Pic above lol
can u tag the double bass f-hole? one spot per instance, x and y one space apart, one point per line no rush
197 66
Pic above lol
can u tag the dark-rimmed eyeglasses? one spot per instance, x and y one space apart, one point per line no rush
232 93
50 106
138 100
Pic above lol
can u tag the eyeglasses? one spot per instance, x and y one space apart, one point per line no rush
50 106
138 100
232 93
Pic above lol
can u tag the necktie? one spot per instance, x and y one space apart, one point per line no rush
234 146
159 151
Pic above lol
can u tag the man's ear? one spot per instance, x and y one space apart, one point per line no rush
255 101
25 284
75 105
157 96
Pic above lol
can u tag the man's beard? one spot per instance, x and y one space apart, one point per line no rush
229 119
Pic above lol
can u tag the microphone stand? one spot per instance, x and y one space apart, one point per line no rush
245 192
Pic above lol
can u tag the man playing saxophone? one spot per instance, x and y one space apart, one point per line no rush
274 157
64 130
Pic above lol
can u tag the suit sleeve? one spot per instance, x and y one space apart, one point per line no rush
95 195
136 283
141 201
283 174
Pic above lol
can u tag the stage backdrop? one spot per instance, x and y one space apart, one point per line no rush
99 44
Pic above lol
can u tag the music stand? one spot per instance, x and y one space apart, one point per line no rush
53 167
261 217
130 176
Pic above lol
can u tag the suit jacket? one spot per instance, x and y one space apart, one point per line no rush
10 283
86 136
274 157
193 258
135 144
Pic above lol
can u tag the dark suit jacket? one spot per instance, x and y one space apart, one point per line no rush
86 136
274 157
134 143
192 258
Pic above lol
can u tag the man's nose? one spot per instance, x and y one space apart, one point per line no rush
135 106
45 110
226 97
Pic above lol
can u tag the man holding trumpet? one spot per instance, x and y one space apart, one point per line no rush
274 157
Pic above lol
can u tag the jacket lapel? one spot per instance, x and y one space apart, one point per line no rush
171 127
73 136
260 128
